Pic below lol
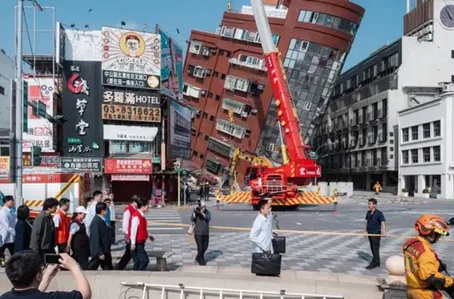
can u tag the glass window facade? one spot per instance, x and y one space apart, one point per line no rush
328 20
311 72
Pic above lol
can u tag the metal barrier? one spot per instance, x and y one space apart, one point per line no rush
203 291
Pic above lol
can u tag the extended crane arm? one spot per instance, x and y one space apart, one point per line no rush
286 113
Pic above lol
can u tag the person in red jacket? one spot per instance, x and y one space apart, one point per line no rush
139 235
62 221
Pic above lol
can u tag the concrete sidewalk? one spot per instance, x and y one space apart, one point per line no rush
108 284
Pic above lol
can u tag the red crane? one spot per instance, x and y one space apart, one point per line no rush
281 183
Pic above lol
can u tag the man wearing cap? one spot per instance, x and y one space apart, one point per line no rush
78 239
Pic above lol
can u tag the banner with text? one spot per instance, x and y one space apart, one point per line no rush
171 66
40 130
131 58
130 133
128 166
180 131
81 105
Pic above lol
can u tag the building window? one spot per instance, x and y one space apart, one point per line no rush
215 74
2 90
452 53
328 21
437 128
223 76
405 157
437 153
202 156
211 117
210 95
452 78
414 133
195 154
405 135
221 52
426 130
218 97
414 156
426 154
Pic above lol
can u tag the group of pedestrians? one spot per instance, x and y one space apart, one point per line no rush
89 233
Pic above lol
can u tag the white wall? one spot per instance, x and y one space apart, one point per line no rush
7 73
441 109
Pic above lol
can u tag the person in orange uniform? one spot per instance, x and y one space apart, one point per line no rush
422 266
62 221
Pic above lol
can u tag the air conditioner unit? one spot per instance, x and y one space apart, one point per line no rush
244 114
260 87
206 52
203 92
195 47
254 111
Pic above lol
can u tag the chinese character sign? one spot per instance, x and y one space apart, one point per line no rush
125 166
82 106
40 130
131 59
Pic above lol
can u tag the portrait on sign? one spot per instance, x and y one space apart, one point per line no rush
130 58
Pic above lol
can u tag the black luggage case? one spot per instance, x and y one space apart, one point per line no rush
279 244
266 264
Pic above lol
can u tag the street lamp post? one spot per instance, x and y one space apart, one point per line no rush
19 105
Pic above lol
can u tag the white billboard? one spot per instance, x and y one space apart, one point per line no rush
130 133
82 45
40 130
131 58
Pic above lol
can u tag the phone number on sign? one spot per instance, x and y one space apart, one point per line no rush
121 112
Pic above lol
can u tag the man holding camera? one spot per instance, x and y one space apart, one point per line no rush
201 218
25 272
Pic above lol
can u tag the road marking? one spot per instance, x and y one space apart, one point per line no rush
164 228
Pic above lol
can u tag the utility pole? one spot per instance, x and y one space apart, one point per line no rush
19 105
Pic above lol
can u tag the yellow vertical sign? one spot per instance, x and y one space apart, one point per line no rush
4 168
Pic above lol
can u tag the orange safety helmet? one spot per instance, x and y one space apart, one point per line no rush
428 223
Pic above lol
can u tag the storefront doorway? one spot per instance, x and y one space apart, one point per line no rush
125 190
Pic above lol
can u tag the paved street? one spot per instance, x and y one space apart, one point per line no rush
338 254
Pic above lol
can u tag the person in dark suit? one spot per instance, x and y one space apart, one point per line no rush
43 239
100 240
23 229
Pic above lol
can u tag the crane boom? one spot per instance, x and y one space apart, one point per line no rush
286 112
299 166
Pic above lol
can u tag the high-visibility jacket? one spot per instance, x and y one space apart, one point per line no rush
422 267
63 228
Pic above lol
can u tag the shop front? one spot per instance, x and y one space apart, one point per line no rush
128 177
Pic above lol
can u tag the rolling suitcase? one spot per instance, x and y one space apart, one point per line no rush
279 244
266 264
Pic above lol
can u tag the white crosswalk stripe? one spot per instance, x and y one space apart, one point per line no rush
163 216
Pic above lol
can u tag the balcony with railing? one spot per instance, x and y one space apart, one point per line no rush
231 129
249 62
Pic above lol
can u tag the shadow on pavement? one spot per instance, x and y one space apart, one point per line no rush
212 255
364 256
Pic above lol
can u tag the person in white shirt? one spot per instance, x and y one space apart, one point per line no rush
7 225
127 215
262 229
91 210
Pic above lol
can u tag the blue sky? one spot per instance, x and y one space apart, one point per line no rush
382 22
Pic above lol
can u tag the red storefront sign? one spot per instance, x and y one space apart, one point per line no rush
128 166
131 177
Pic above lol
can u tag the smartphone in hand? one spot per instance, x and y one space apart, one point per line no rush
52 258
